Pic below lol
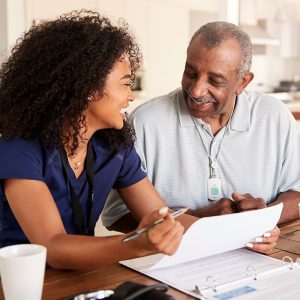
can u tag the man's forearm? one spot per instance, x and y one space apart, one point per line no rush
290 200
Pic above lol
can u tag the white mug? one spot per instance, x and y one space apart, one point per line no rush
22 269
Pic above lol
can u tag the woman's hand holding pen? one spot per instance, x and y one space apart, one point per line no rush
164 237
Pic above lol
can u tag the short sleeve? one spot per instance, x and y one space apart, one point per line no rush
131 171
290 173
20 159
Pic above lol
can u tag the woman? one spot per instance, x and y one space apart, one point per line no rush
65 143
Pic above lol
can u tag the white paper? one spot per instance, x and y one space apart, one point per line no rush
213 235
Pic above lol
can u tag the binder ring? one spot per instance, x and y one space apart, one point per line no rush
298 261
288 260
211 283
251 272
197 291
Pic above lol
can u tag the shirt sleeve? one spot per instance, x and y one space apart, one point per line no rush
114 207
131 171
290 172
20 159
140 140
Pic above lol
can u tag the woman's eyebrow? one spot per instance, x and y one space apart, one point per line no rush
126 76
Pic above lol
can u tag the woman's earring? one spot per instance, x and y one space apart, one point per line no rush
89 98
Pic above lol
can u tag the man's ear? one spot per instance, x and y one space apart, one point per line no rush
244 82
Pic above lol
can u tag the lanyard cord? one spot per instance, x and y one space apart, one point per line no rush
77 210
212 162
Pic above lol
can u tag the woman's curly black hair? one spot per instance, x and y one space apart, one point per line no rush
54 69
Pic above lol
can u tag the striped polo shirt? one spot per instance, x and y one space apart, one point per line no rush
259 154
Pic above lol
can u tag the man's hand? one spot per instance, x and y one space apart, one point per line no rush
265 243
224 206
247 202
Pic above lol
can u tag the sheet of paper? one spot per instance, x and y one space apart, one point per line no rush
213 235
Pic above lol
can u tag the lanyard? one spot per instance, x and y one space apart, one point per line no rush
212 162
77 210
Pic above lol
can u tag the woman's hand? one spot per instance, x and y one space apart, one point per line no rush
164 237
265 243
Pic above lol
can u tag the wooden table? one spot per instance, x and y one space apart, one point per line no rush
60 284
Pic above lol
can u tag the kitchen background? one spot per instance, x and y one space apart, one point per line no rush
163 28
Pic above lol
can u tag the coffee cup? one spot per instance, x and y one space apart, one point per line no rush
22 269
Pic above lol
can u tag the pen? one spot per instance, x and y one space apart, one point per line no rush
139 232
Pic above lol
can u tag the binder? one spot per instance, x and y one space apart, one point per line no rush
281 282
233 273
230 276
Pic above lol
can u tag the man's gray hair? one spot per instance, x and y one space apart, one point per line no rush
214 33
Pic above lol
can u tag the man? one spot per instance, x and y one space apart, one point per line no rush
210 145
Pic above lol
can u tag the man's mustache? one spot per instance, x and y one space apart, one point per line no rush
202 100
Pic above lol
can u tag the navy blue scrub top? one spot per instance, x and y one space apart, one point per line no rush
29 159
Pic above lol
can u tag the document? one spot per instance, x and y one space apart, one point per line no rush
210 264
213 235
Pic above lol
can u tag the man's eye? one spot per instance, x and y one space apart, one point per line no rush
190 73
216 82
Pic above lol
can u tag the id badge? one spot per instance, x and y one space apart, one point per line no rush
214 188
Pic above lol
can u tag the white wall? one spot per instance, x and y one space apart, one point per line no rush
163 29
12 24
3 32
272 67
168 33
51 9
